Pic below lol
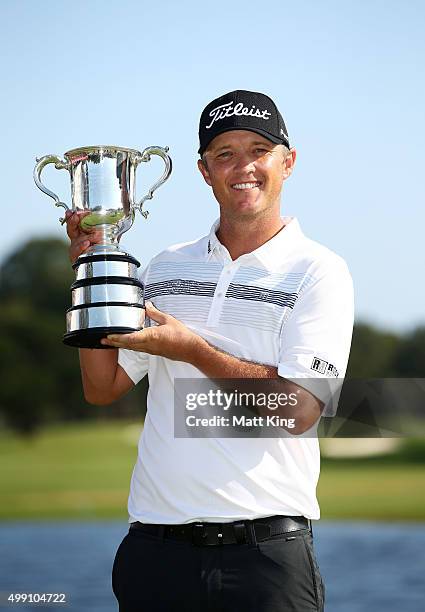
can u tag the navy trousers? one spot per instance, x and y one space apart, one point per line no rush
155 574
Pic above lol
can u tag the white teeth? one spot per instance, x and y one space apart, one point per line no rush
246 185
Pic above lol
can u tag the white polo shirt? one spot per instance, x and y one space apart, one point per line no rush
288 304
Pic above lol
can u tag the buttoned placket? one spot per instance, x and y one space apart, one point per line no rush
226 276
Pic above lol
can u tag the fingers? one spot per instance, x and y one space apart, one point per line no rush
133 340
81 239
82 243
156 315
73 219
78 246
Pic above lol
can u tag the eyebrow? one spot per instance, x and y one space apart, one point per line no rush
257 142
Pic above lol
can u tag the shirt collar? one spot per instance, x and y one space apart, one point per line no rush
213 243
282 243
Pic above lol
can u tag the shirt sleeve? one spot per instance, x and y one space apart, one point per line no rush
316 339
135 363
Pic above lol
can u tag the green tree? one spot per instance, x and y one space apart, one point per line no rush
372 353
409 360
39 274
40 375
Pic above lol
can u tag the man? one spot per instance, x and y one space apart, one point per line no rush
224 523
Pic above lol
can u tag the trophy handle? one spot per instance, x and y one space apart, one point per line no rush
145 157
59 165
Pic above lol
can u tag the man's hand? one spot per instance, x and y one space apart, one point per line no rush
173 340
80 239
170 338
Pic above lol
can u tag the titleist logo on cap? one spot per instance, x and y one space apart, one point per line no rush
228 110
241 110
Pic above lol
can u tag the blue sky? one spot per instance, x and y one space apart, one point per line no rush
348 77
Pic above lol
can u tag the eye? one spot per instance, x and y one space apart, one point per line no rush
261 150
224 155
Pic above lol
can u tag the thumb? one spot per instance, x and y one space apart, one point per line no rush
155 314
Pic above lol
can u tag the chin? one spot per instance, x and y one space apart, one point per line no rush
247 212
248 203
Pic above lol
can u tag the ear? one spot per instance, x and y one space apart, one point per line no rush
204 171
289 163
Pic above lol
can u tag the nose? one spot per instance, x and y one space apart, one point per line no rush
245 162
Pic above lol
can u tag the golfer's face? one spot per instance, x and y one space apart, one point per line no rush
245 171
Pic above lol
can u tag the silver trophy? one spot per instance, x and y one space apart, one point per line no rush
107 296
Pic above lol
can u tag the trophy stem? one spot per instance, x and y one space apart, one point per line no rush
109 235
108 240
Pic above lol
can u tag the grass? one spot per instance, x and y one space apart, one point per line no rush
68 471
374 492
82 471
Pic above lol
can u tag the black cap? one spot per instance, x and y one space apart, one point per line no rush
242 110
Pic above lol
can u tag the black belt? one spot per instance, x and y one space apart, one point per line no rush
238 532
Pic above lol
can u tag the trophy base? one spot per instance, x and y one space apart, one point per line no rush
90 338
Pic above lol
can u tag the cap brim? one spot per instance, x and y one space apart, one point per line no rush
273 139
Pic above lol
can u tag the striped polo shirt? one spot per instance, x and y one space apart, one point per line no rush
288 304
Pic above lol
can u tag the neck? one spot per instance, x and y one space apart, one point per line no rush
241 237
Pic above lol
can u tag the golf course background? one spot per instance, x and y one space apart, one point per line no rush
82 471
61 458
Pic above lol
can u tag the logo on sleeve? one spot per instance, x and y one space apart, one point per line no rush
323 367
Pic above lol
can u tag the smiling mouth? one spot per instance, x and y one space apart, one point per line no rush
250 185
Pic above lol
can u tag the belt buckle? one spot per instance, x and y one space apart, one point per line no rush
199 534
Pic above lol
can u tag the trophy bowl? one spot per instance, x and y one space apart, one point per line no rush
107 296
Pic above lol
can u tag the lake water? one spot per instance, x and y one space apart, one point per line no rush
367 567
